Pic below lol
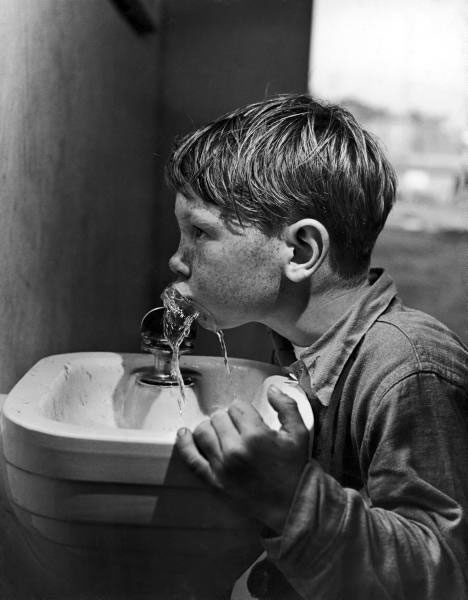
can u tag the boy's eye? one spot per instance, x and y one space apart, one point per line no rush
197 231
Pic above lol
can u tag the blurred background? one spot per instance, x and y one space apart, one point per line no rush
401 68
94 92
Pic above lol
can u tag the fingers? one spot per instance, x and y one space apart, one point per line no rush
221 442
192 456
226 431
207 442
287 409
226 441
245 417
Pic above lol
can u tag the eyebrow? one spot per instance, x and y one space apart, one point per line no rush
200 220
197 215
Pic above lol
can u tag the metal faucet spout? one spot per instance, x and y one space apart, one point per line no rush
154 341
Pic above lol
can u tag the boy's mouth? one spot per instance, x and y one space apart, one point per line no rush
205 317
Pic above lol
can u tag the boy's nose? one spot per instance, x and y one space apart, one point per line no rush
178 266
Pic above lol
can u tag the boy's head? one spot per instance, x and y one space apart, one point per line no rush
287 158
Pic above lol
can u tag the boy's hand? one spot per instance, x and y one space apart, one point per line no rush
259 468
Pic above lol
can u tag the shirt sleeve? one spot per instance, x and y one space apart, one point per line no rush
405 534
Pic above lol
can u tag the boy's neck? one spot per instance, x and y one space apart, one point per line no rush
305 323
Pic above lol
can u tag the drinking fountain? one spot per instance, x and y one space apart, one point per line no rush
108 508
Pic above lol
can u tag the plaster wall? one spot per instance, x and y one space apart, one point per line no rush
78 100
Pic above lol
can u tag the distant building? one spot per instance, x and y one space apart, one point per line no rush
425 152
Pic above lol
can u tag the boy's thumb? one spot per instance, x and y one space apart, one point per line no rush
287 409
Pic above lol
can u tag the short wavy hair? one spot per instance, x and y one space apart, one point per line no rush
290 157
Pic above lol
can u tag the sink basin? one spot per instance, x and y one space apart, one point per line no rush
108 507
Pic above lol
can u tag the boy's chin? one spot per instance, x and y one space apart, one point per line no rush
220 324
207 323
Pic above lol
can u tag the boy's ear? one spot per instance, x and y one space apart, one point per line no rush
310 243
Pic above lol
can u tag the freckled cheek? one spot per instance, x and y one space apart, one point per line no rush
232 279
209 275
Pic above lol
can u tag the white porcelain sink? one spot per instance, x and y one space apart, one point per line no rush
106 503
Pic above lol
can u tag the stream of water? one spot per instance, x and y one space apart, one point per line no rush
178 318
176 325
222 343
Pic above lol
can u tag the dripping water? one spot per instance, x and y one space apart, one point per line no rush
176 327
222 343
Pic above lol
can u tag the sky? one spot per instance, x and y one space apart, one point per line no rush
401 54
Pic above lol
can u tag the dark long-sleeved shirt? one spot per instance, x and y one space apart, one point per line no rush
381 511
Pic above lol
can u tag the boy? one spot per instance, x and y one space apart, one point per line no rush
279 205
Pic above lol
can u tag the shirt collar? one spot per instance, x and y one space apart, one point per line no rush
325 359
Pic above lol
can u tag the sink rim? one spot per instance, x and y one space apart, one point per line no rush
39 444
20 411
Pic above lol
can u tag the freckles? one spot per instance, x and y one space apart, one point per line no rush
240 274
